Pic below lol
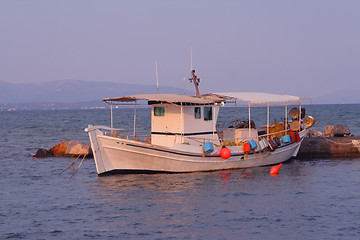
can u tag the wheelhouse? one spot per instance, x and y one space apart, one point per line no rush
179 118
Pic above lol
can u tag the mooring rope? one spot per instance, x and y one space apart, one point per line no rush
71 165
79 166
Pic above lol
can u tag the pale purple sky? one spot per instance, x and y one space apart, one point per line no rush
304 48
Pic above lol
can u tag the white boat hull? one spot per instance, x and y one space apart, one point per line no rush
115 154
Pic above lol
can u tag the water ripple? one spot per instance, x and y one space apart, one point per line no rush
315 199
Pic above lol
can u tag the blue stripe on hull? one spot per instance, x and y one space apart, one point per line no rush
198 155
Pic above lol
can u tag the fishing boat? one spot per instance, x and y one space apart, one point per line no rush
185 135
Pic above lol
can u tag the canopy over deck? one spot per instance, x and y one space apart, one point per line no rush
170 98
258 98
253 98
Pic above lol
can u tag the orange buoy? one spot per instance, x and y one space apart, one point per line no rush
275 169
247 147
225 153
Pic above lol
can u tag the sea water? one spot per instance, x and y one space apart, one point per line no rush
312 199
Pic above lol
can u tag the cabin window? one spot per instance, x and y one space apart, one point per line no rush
159 111
197 112
207 113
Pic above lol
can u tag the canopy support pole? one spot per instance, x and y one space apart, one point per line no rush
299 117
268 120
111 115
134 119
213 122
249 120
286 119
182 123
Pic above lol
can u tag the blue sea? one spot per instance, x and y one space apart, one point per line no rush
311 199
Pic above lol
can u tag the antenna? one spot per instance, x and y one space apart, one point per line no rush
194 78
184 86
157 77
191 68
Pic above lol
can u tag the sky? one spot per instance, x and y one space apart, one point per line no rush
306 48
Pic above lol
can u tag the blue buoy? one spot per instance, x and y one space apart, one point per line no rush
252 143
258 147
208 147
286 139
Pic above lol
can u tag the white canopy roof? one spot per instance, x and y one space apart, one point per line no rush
253 98
260 98
170 98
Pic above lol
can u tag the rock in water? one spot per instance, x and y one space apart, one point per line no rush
313 133
42 153
59 150
321 147
76 148
341 131
329 131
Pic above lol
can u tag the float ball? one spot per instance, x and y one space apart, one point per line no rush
225 153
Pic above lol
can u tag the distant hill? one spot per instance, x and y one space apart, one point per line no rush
98 104
72 91
75 94
338 97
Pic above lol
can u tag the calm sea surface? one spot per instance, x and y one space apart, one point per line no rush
313 199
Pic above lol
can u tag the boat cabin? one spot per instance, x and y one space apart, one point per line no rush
183 123
179 118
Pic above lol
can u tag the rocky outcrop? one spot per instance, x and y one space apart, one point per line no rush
42 153
59 150
324 147
341 131
313 133
76 148
328 131
336 131
73 148
335 141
